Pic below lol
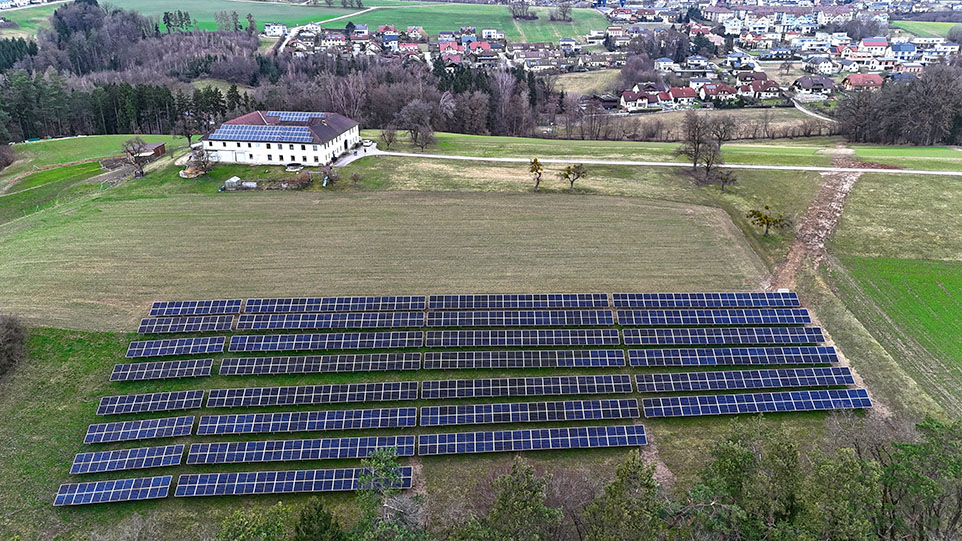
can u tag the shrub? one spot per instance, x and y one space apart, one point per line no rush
316 523
257 524
13 342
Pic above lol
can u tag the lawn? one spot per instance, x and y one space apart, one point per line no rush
924 29
589 82
47 188
934 158
29 20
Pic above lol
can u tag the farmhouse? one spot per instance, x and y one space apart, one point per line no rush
281 137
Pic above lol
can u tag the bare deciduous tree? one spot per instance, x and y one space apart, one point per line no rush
203 160
134 153
519 9
388 136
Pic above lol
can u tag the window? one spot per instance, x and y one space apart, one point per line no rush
210 143
268 146
248 145
315 148
290 147
280 157
238 145
304 159
317 159
225 144
269 157
303 147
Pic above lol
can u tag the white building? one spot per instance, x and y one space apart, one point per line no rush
275 30
283 137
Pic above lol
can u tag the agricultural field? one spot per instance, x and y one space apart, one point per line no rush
931 158
589 82
924 29
29 21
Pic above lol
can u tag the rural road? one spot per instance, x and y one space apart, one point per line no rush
812 114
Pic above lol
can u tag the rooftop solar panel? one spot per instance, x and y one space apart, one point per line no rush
192 368
522 338
270 134
120 490
293 450
140 403
144 429
705 300
726 404
733 356
721 336
539 439
278 482
335 304
176 346
313 394
556 358
340 320
744 379
185 324
529 412
533 386
127 459
195 308
317 364
327 341
506 302
715 317
307 421
295 116
521 318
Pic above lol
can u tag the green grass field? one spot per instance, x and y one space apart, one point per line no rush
588 82
924 29
924 158
47 188
29 21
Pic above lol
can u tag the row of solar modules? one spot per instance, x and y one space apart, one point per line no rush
475 302
465 360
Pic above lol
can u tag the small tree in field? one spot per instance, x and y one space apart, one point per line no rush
572 173
388 136
355 178
768 219
725 178
536 171
423 137
203 160
134 149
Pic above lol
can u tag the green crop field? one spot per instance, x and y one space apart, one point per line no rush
924 29
933 158
45 189
29 21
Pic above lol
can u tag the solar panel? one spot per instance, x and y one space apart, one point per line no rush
505 302
521 318
127 459
744 379
726 404
747 316
292 450
278 482
529 412
144 429
280 134
539 439
343 320
140 403
335 304
521 338
119 490
313 394
705 300
720 336
295 116
555 358
192 368
170 325
307 421
195 308
328 341
534 386
176 346
317 364
733 356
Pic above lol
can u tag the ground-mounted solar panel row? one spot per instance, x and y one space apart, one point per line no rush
293 450
723 336
529 412
714 318
780 378
191 368
319 364
142 429
307 421
531 386
127 459
196 308
280 482
337 320
149 402
728 404
522 318
119 490
555 358
518 302
176 346
327 341
185 324
522 338
706 300
542 439
335 304
313 394
733 356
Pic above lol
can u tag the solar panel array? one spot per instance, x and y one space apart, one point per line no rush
279 482
291 450
184 324
749 316
733 356
327 341
120 490
313 394
529 412
518 302
521 318
533 386
176 346
531 440
307 421
551 358
140 403
335 304
346 320
269 134
317 364
295 116
687 406
705 300
522 338
127 459
143 429
192 368
721 336
744 379
195 308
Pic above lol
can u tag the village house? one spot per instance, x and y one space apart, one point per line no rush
862 81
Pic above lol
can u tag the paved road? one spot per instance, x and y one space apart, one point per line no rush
811 113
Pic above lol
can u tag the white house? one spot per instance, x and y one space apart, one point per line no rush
491 34
275 30
283 137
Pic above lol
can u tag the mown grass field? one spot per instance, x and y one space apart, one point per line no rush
926 158
589 82
46 188
924 29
